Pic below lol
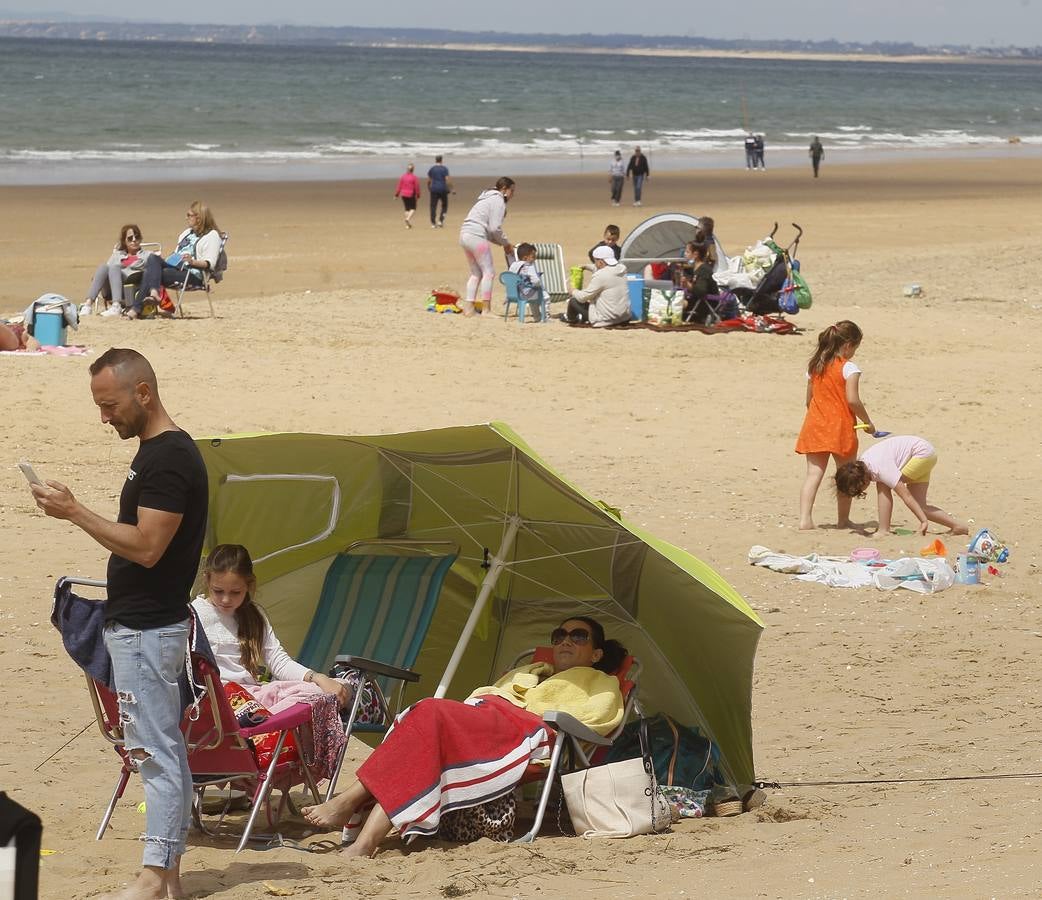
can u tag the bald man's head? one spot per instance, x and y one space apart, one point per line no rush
123 384
129 367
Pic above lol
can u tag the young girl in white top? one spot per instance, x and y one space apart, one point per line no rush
899 465
243 642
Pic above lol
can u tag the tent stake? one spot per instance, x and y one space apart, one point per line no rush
487 584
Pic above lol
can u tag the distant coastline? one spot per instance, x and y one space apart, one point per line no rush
466 41
681 53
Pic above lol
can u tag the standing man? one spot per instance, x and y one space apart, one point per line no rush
750 151
617 177
409 190
155 545
816 154
438 186
638 168
759 153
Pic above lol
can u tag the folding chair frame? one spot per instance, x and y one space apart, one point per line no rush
220 730
208 277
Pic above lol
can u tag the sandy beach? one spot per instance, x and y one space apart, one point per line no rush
321 327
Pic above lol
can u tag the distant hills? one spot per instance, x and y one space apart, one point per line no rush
302 35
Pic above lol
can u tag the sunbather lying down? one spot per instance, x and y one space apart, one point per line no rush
426 763
15 337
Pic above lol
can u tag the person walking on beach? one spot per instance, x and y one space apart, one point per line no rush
616 177
833 407
439 184
639 169
750 151
759 154
816 154
409 190
483 227
155 545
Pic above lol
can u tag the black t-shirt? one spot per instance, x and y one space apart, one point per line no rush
167 474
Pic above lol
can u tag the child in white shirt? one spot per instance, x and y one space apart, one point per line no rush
899 465
530 289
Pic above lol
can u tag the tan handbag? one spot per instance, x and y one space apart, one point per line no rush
620 799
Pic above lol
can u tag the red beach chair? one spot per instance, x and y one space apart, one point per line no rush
570 735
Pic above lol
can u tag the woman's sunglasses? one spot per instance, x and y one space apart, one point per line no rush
576 636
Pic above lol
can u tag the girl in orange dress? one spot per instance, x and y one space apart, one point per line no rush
833 407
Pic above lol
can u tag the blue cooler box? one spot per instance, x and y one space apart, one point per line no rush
49 328
636 285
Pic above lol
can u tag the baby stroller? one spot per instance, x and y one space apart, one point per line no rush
782 288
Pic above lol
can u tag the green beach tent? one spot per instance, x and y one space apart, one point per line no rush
533 549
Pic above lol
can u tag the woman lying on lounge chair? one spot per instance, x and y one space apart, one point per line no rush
426 764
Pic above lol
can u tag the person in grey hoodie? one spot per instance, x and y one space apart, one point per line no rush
482 227
607 300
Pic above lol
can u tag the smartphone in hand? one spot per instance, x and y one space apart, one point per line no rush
29 473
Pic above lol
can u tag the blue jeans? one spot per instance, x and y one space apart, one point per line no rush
146 665
159 273
638 186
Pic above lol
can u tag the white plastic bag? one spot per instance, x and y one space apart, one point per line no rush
925 576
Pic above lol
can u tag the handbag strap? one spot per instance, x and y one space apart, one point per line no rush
651 791
676 748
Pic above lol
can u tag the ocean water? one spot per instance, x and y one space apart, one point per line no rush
89 111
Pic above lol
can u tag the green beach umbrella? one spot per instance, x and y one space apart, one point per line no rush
533 549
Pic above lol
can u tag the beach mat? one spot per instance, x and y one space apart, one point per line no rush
70 350
754 325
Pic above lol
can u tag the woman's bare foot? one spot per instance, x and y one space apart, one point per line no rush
334 813
807 526
357 849
959 529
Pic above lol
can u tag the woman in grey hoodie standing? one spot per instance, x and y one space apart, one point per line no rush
483 227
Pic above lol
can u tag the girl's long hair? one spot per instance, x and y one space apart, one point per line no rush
830 341
250 620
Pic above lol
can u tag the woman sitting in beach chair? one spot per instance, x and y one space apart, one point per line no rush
126 263
445 755
198 249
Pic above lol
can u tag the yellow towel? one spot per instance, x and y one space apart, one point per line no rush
591 696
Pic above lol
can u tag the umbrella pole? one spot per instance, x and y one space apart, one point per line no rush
487 584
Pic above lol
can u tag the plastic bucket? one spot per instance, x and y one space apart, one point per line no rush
988 547
967 569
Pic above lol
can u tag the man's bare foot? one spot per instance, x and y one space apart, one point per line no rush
846 524
174 891
334 813
149 885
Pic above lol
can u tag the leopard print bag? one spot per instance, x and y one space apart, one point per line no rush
494 820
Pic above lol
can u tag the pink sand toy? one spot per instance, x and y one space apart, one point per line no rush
865 555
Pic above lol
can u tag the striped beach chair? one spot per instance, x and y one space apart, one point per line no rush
549 259
377 603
